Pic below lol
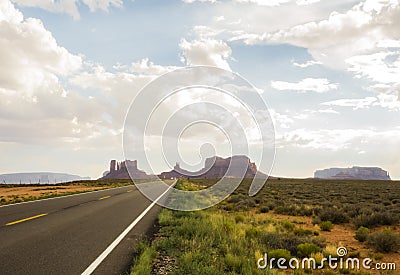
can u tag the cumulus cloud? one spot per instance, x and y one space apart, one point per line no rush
318 85
31 58
70 6
343 35
381 67
147 67
206 52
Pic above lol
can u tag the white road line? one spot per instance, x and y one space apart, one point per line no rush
60 197
114 244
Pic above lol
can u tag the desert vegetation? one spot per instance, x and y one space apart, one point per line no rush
288 218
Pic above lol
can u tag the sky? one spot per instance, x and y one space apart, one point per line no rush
329 72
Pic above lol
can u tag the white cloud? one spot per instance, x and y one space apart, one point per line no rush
31 59
145 66
338 139
269 3
361 30
382 67
354 103
307 64
318 85
389 43
202 1
306 2
206 52
70 6
281 120
381 100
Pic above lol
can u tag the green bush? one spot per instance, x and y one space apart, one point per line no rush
239 218
384 241
279 253
264 209
306 249
326 226
362 234
252 233
289 226
302 232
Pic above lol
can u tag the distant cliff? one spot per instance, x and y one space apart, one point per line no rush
41 177
214 168
354 173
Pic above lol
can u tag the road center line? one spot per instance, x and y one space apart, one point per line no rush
114 244
26 219
103 198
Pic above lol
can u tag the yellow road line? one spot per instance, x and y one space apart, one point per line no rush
103 198
26 219
129 191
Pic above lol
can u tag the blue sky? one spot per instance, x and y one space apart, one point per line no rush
328 70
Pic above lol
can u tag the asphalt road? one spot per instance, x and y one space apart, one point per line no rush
65 235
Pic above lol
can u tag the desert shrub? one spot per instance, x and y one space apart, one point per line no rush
280 210
315 220
326 226
271 206
287 225
303 211
306 249
362 234
279 253
228 207
275 240
233 263
384 241
264 209
332 214
239 218
375 219
236 198
302 232
252 233
245 204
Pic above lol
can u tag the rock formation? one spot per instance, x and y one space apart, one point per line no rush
354 173
216 167
119 170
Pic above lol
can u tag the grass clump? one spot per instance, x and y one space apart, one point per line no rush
143 263
326 226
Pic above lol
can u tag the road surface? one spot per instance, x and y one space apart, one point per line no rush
67 234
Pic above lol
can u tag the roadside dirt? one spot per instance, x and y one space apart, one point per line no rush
19 194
